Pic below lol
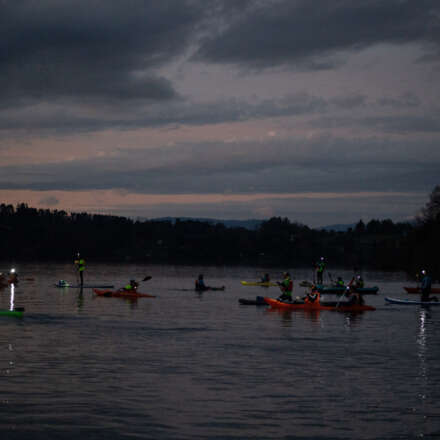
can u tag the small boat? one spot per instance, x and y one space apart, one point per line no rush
17 312
258 301
338 306
342 289
123 293
63 284
259 283
419 290
410 302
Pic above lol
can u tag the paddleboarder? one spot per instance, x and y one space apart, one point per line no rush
320 267
80 264
426 288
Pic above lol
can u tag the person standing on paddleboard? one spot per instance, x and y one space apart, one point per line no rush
80 264
320 267
426 288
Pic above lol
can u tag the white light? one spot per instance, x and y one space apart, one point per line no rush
12 270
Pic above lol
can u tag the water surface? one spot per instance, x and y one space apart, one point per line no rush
200 366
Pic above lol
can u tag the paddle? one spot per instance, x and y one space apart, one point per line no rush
147 278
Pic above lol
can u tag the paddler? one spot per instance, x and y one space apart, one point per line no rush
265 278
80 264
200 284
286 287
426 288
313 296
131 286
320 267
339 282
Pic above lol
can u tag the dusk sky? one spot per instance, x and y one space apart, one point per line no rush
322 111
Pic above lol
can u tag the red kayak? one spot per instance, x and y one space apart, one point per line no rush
419 290
123 293
340 307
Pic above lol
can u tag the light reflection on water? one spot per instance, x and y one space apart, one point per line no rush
200 366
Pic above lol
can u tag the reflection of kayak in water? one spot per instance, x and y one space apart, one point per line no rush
258 301
410 302
327 305
17 312
259 283
123 293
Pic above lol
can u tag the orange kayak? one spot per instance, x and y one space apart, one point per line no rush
339 307
123 293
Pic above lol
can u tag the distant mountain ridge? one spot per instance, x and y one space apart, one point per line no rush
251 224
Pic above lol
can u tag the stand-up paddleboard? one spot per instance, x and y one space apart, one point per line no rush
410 302
64 284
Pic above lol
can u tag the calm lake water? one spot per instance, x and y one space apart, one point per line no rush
201 366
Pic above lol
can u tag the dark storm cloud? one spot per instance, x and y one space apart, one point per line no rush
66 119
267 167
308 33
97 49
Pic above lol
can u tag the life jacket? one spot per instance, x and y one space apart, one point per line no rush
81 263
313 297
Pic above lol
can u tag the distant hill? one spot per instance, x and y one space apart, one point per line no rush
338 227
250 224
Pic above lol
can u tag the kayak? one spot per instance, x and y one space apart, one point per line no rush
259 283
410 302
123 294
209 288
419 290
258 301
18 313
323 305
85 286
343 289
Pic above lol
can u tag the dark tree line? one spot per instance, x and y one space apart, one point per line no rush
36 234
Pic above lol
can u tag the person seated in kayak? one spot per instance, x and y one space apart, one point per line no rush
265 278
200 284
339 282
286 287
359 283
313 296
426 288
353 298
129 287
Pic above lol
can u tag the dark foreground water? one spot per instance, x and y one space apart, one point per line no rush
200 366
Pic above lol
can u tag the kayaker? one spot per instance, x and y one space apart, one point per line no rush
200 284
339 282
359 283
265 278
320 267
286 287
131 286
353 298
313 296
426 288
80 264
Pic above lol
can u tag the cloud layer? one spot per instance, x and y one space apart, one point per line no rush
218 97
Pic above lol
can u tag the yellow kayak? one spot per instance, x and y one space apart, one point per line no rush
259 283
